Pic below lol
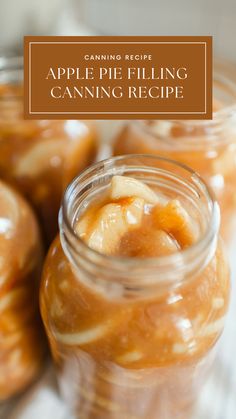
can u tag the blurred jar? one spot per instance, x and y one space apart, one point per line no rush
208 147
134 339
39 157
22 343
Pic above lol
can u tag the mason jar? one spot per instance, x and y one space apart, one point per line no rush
39 157
22 342
207 146
135 338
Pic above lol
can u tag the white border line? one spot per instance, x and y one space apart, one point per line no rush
119 113
115 113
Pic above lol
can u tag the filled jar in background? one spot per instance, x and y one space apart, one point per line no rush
207 146
22 342
135 290
39 157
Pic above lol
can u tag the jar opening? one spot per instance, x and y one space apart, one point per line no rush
161 171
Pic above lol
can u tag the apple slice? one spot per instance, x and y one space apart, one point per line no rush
41 157
84 337
175 220
125 187
129 357
104 230
147 243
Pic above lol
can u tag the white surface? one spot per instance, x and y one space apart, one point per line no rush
123 17
26 17
163 17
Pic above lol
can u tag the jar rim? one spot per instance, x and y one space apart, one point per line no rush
67 233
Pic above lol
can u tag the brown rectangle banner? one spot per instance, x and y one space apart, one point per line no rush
118 77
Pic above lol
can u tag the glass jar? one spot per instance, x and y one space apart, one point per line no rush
39 157
22 344
208 147
134 338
